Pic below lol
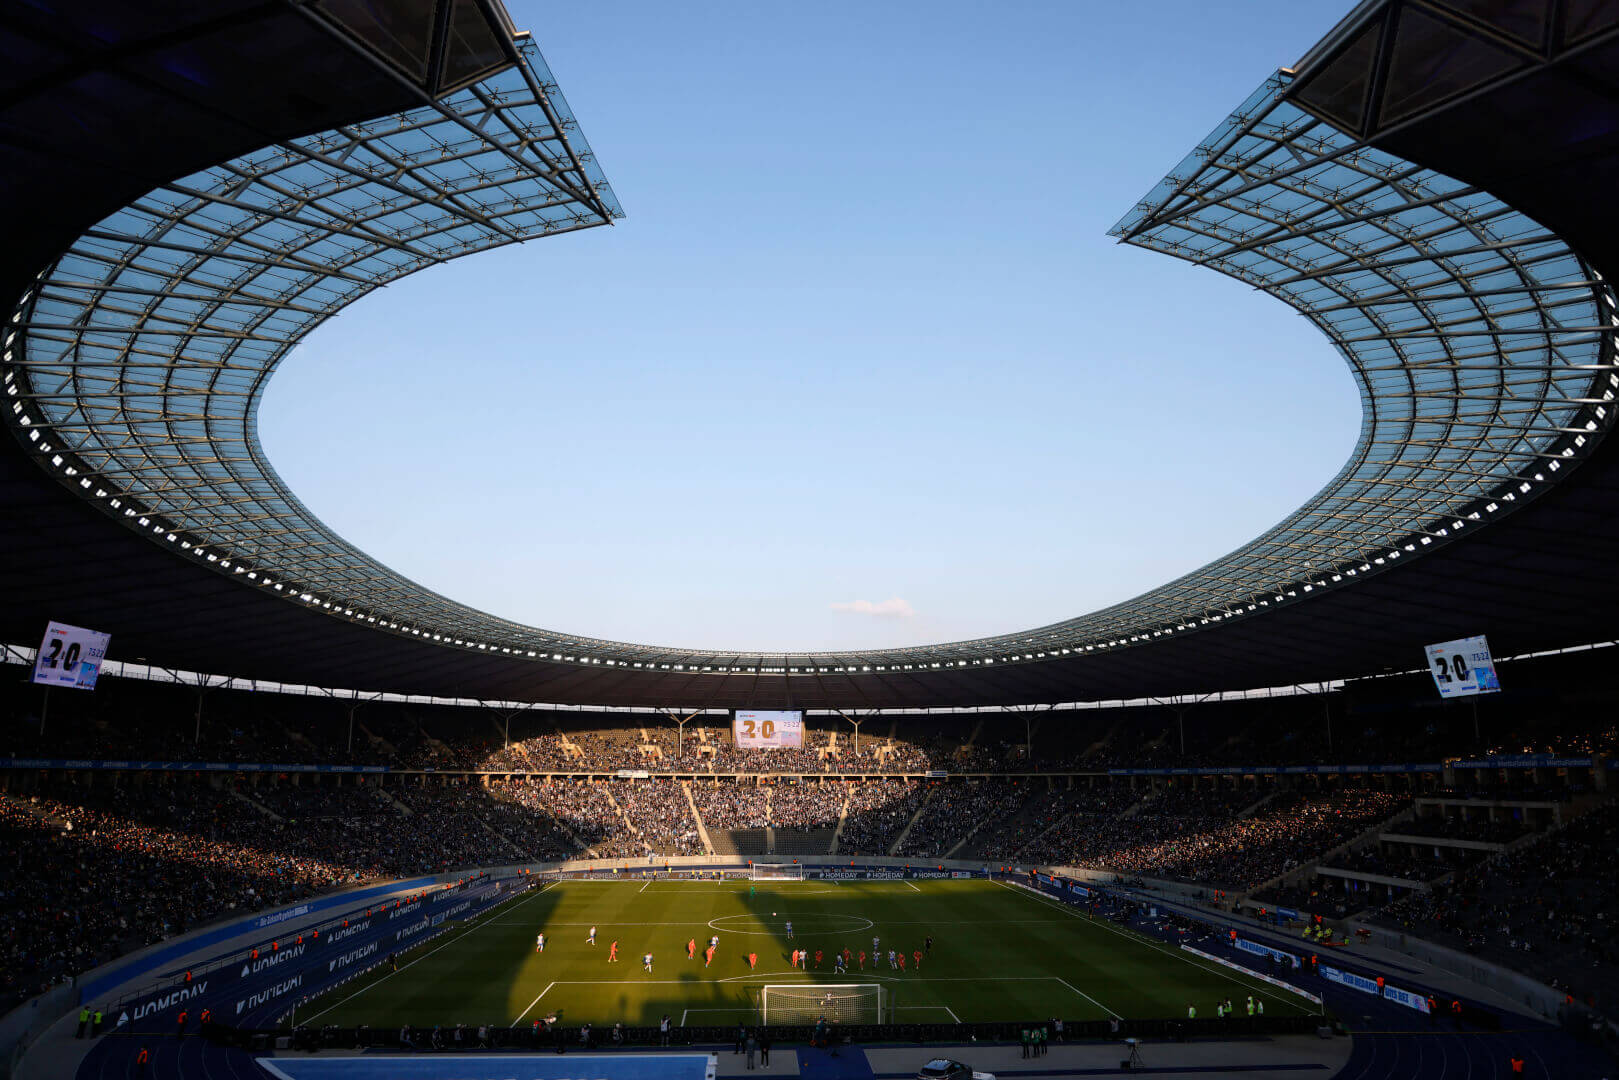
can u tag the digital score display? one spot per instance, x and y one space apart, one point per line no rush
1463 667
70 656
765 730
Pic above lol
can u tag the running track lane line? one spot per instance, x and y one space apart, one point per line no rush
1142 939
531 1005
419 959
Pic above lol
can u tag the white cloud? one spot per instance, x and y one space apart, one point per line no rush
892 608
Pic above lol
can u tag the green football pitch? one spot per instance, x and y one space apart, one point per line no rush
999 954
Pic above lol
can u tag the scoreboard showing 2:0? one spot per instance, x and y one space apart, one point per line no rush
1463 667
763 730
70 656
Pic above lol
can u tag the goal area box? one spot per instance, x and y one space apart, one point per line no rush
805 1003
776 872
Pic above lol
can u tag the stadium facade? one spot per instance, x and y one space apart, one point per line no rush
1431 186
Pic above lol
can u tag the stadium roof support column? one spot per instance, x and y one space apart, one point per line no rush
506 722
354 705
199 683
1028 730
856 722
1179 706
680 730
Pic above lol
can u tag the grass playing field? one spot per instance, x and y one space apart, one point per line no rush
999 953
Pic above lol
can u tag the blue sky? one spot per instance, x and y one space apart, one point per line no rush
860 367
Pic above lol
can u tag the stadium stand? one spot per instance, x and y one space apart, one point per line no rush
1361 804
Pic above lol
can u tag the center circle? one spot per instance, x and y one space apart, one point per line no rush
809 922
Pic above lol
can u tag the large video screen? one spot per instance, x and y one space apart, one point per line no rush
1463 667
70 656
753 730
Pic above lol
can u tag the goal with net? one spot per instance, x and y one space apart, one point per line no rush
777 872
805 1003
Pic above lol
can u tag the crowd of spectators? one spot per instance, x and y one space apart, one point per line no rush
955 810
659 813
806 806
84 884
1550 908
1402 861
731 806
878 813
100 869
1202 837
579 809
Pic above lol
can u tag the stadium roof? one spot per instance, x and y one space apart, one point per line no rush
1431 186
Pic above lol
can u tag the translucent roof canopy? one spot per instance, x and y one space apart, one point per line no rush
1480 342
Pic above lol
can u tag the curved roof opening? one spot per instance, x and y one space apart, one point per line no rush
1481 340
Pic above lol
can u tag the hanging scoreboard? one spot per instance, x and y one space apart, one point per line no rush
1463 667
70 656
762 730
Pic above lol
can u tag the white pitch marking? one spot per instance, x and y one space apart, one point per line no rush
642 889
531 1004
913 887
886 922
1142 939
807 982
1086 996
930 1008
419 959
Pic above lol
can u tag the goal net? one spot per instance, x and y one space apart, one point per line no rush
805 1003
777 872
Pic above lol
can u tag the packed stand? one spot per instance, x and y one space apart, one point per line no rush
1054 830
806 806
1548 908
1199 837
658 810
878 812
957 809
1390 861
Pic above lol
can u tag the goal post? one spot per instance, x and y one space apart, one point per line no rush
777 872
805 1003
